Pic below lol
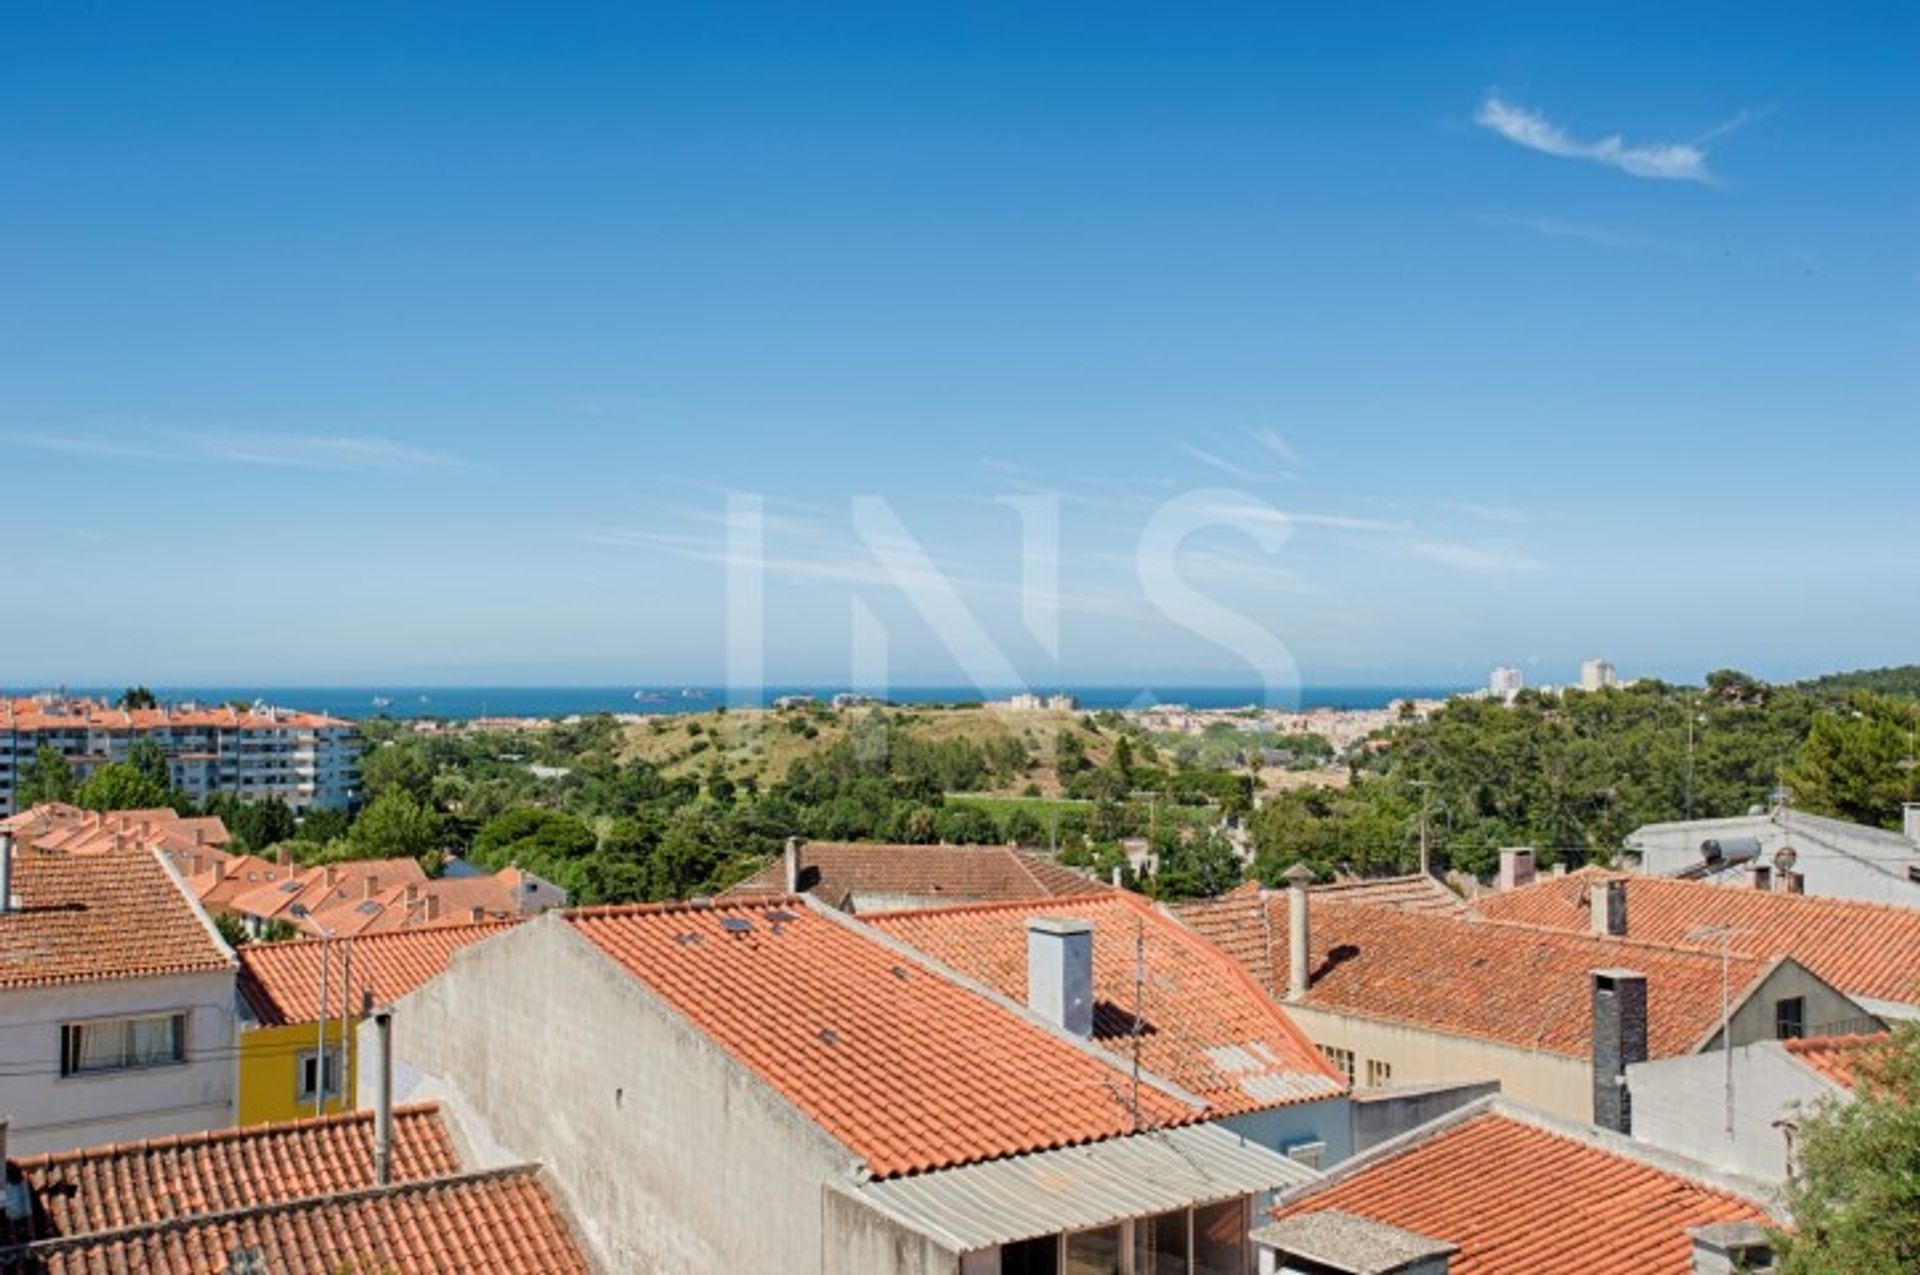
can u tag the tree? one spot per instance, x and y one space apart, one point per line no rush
397 766
136 697
1852 763
545 842
394 824
119 786
1856 1198
47 778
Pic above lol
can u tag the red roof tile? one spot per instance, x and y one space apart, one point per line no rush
498 1223
1864 949
907 1067
327 886
1519 985
906 875
1522 1196
1416 892
281 981
1205 1025
53 826
135 1183
1838 1058
110 914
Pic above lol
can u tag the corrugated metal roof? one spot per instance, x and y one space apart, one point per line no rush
977 1206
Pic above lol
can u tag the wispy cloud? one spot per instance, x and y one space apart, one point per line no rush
1480 557
1661 161
1219 462
1277 446
1553 228
284 451
1490 513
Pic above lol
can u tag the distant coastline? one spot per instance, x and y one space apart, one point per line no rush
461 703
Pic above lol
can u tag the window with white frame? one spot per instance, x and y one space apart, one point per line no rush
1342 1060
122 1044
308 1072
1379 1073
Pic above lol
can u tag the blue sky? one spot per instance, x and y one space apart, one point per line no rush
367 342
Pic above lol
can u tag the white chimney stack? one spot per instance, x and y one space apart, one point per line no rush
1060 972
1910 821
1516 867
382 1096
1608 905
793 864
1298 949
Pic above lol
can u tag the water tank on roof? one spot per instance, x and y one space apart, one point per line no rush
1730 849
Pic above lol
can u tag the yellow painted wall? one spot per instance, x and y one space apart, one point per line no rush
270 1071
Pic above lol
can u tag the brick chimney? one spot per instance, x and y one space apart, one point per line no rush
1607 903
1060 972
1516 867
1619 1041
1299 950
1761 875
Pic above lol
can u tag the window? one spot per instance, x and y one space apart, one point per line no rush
304 1090
1342 1060
1790 1018
1160 1244
122 1044
1220 1239
1379 1073
1031 1257
1094 1252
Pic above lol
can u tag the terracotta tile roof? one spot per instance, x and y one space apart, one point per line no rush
1416 892
39 713
1864 949
53 826
111 914
1205 1024
1520 985
497 1223
897 1060
135 1183
281 981
910 875
1837 1058
1522 1195
326 886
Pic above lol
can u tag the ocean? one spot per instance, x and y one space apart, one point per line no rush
462 702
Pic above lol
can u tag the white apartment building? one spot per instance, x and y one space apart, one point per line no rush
1597 675
304 759
1506 682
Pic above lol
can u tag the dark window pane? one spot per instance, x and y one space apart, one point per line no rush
1160 1244
1031 1257
1220 1239
1094 1252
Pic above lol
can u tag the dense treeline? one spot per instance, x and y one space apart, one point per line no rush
1903 681
1572 774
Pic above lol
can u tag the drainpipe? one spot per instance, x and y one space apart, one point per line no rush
382 1096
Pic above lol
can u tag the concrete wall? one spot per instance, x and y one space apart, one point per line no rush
1826 1009
673 1156
859 1241
1277 1128
51 1113
1553 1083
1836 860
1680 1104
1385 1115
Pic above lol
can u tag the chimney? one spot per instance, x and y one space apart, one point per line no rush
1731 1248
382 1096
282 857
1910 821
477 914
1761 875
1298 949
793 864
6 872
369 886
1060 972
1516 867
1619 1041
412 895
1792 883
433 907
1608 905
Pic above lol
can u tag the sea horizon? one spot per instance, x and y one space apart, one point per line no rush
460 702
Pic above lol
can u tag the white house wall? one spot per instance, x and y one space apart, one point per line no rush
1680 1104
52 1113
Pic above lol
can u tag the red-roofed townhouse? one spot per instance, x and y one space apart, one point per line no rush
1743 1112
1496 1188
771 1084
1398 997
116 999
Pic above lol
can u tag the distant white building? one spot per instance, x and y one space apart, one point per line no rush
795 701
1025 702
1062 703
1505 682
304 759
1789 849
1597 675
